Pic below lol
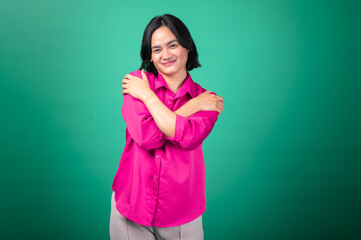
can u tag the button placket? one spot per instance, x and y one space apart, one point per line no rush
156 179
169 101
155 187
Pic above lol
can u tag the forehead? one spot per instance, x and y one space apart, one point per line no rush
162 36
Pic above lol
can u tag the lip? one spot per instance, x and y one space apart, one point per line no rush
169 63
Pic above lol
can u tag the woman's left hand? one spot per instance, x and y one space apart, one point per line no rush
137 87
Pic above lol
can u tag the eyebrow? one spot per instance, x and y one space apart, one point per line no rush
174 40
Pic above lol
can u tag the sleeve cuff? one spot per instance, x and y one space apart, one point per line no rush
178 133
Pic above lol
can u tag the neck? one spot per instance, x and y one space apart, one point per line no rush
174 82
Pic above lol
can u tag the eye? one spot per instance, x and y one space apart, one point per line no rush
173 45
157 50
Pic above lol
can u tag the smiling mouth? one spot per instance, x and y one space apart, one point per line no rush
169 63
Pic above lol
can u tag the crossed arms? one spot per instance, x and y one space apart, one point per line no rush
150 122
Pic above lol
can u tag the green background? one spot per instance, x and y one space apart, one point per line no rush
283 161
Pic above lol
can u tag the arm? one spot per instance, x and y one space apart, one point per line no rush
206 101
164 118
140 124
184 132
191 131
189 108
162 115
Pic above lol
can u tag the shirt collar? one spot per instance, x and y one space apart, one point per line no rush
187 86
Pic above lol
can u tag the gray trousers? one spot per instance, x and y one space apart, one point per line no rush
122 228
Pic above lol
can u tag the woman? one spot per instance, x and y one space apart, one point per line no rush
159 188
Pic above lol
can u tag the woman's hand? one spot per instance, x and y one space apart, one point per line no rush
137 87
209 102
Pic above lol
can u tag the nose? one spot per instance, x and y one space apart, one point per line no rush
166 53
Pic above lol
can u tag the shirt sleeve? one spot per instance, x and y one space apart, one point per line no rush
140 124
191 131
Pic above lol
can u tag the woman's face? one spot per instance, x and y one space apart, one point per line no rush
168 56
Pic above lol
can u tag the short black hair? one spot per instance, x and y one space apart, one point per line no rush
180 31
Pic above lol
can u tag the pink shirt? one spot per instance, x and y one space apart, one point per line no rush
161 180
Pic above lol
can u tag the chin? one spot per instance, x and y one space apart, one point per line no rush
167 72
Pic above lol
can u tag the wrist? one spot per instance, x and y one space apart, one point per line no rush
197 106
148 96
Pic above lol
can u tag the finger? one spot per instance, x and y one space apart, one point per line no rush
219 110
129 76
125 80
219 97
143 75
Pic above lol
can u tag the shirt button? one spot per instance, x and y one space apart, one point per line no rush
157 156
169 102
155 177
154 198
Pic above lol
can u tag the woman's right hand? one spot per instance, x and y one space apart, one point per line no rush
209 102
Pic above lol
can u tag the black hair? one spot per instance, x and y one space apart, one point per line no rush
180 31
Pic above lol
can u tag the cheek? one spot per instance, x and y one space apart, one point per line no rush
154 58
185 57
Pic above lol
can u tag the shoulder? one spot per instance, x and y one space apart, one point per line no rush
138 73
150 76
